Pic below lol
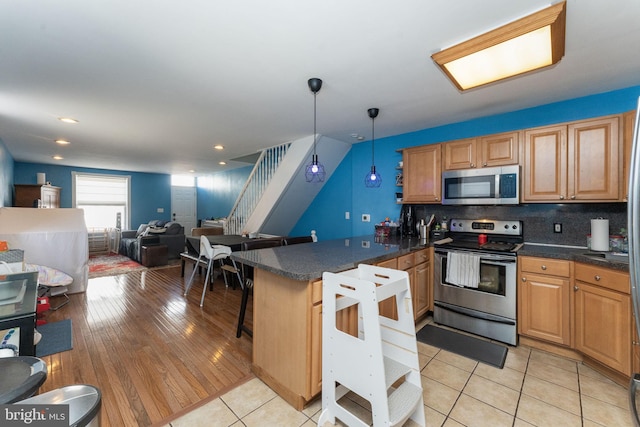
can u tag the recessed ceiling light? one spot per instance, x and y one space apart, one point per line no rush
56 157
222 163
62 142
67 120
192 170
218 147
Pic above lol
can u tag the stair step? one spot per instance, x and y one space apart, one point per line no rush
403 402
393 371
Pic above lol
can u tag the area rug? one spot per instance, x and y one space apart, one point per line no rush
111 265
464 345
56 338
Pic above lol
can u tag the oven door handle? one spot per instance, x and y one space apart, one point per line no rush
491 259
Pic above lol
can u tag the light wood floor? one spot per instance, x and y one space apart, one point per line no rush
151 351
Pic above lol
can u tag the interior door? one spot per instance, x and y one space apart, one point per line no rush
183 207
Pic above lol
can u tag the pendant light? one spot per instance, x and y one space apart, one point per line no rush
373 178
315 170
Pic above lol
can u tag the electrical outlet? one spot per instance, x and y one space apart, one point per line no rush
366 244
557 227
366 218
160 210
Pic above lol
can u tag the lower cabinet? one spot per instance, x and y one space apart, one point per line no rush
581 306
544 299
603 316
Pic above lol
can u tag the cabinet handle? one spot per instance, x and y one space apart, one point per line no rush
524 279
484 165
473 165
573 197
561 197
575 288
597 277
544 267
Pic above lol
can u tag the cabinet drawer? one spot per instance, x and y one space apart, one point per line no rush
603 277
421 256
405 262
554 267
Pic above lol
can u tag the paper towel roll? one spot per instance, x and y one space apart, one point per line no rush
600 234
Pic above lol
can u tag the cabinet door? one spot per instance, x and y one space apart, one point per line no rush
545 164
421 296
315 382
603 329
50 197
544 308
593 160
460 154
422 182
499 150
389 308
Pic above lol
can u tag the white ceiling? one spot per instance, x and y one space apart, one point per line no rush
156 83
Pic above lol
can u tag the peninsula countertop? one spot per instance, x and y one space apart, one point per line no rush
307 261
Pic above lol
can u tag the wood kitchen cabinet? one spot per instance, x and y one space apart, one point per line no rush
27 196
422 174
574 162
628 123
544 299
417 265
492 150
603 316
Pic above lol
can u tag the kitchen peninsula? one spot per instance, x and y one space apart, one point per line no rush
287 305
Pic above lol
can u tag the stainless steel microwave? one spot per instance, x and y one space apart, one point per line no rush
485 186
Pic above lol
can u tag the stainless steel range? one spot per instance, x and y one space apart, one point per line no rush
475 278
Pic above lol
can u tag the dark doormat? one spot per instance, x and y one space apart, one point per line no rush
56 337
483 351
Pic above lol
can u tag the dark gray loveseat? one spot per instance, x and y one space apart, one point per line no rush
166 233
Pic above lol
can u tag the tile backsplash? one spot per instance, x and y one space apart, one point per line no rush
538 219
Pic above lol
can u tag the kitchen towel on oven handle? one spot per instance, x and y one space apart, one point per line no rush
463 269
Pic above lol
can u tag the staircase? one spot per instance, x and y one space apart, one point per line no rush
276 193
380 364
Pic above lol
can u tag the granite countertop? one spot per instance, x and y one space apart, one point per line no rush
583 255
307 261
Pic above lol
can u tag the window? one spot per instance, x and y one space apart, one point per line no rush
104 198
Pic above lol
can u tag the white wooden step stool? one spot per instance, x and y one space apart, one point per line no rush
381 363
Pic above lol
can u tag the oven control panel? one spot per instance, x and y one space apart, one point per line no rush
487 226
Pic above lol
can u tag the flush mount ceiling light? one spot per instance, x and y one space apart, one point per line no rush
62 142
533 42
373 178
218 147
315 170
57 157
67 120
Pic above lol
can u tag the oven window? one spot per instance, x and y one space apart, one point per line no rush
492 277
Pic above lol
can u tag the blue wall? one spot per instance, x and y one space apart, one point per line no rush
217 193
6 176
148 191
326 213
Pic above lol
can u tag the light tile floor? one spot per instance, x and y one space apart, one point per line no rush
533 389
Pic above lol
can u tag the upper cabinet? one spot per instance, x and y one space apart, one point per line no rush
629 120
579 161
422 174
493 150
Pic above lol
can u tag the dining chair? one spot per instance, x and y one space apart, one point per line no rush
247 276
208 254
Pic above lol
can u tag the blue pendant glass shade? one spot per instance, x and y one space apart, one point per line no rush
314 171
373 179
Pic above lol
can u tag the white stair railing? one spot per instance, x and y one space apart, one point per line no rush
255 186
